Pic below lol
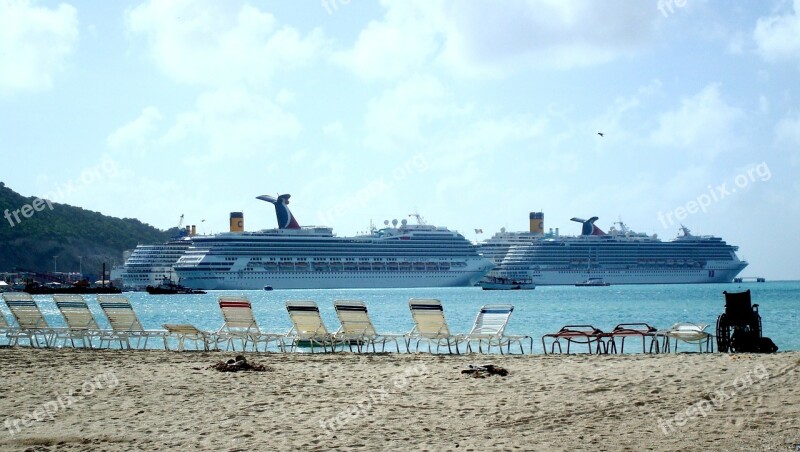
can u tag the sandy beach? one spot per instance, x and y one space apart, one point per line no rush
129 400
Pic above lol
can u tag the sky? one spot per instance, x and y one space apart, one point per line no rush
472 114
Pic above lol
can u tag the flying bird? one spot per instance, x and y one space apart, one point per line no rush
601 134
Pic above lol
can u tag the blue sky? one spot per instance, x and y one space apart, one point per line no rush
470 113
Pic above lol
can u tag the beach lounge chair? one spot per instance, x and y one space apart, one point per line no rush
80 321
579 334
308 329
184 332
240 324
357 328
5 329
430 326
691 333
489 329
31 324
626 330
125 325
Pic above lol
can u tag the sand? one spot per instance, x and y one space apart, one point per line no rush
155 400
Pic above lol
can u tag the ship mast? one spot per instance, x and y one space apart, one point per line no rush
419 218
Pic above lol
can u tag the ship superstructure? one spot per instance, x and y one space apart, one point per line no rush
295 257
620 256
150 265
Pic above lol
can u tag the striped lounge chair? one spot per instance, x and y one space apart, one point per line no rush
308 329
31 325
240 324
357 328
489 330
125 324
81 324
430 326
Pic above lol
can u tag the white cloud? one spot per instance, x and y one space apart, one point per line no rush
333 129
482 38
398 117
397 45
788 130
285 97
231 123
763 104
137 133
778 36
35 43
544 33
215 43
703 125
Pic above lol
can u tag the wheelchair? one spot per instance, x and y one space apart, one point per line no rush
739 327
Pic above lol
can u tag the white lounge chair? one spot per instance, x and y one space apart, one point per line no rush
125 324
30 322
357 328
240 324
489 329
308 329
430 326
80 321
691 333
184 332
5 329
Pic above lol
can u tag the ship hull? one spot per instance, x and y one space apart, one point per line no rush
649 276
329 280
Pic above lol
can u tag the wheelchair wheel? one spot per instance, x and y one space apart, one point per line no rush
723 334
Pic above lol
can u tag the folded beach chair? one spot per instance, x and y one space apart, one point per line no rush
308 329
691 333
124 323
240 324
357 328
489 329
430 326
80 321
579 334
184 332
31 324
625 330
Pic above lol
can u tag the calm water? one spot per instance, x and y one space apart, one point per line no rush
537 312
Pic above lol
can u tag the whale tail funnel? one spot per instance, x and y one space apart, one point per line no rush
589 227
284 216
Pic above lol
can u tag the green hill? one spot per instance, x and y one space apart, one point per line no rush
67 232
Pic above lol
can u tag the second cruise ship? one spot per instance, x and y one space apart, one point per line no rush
620 256
294 257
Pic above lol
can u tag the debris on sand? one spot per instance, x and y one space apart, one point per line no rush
484 371
239 364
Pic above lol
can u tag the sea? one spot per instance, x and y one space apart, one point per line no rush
536 312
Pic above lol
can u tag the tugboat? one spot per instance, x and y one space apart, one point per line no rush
167 287
593 282
499 283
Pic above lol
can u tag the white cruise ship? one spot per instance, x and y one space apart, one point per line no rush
294 257
150 265
617 257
